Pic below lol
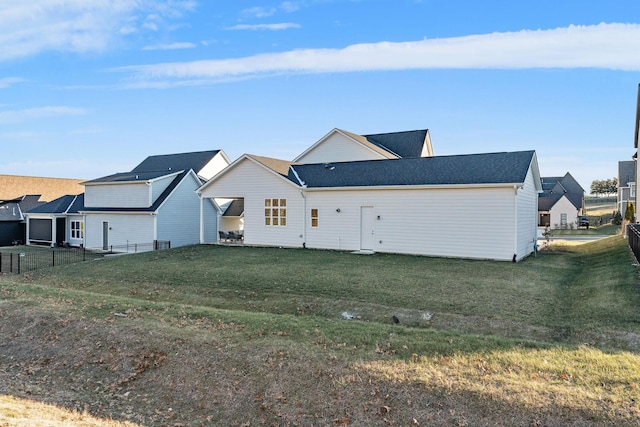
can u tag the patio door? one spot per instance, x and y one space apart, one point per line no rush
105 235
366 228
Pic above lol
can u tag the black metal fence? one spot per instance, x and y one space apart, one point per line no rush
633 233
15 262
24 262
132 248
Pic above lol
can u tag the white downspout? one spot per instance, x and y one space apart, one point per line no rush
201 218
304 219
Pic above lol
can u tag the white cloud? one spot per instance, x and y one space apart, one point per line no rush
610 46
171 46
18 116
259 12
9 81
30 27
271 27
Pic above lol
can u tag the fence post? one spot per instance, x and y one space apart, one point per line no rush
53 258
84 254
0 262
19 258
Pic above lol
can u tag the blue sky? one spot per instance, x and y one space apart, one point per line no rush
90 88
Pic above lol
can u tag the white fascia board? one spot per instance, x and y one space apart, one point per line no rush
115 213
415 187
233 165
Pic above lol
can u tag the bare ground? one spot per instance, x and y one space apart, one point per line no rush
194 372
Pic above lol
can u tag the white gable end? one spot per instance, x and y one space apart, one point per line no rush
337 147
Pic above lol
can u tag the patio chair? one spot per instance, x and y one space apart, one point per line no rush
233 236
223 236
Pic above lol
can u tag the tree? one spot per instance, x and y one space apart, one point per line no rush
604 186
630 212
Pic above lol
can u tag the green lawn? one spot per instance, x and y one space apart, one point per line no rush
551 340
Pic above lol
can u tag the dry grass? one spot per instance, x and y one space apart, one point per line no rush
17 412
143 340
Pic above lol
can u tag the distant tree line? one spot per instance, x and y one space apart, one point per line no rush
601 187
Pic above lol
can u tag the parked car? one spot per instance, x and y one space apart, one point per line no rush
583 221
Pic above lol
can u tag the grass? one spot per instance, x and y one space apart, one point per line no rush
255 336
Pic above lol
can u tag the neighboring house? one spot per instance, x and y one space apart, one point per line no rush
14 186
340 145
57 223
471 206
626 184
560 203
12 218
155 201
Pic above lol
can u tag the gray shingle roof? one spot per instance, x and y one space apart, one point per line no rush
12 210
404 144
235 208
65 204
487 168
131 177
176 162
558 186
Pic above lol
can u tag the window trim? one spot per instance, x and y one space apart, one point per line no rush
275 212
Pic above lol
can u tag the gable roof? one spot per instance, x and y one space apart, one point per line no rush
176 162
388 145
559 186
13 210
15 186
402 144
67 204
235 208
626 172
470 169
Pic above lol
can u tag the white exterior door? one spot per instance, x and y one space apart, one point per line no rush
105 235
366 228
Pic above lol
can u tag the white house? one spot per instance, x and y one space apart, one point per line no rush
156 201
471 206
561 202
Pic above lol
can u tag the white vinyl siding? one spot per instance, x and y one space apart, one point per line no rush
212 168
563 206
254 183
157 187
469 223
527 217
338 148
117 196
178 219
124 229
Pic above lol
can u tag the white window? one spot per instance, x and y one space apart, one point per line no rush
275 212
563 219
77 229
632 189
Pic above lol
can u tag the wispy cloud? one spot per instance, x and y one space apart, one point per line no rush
30 27
9 81
259 12
270 27
18 116
610 46
170 46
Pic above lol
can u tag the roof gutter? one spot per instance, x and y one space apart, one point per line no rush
416 187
